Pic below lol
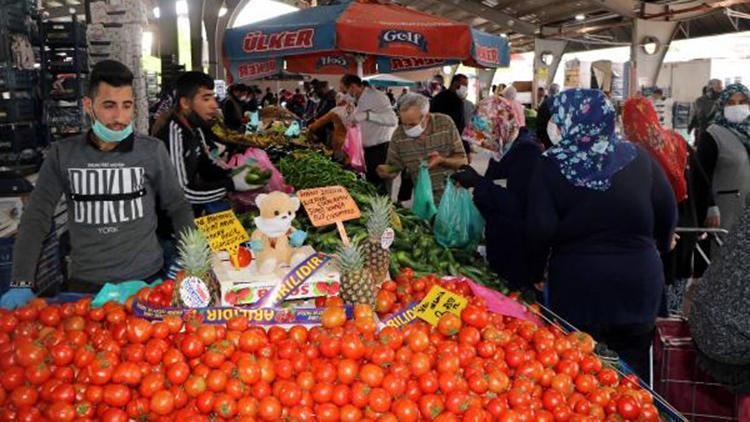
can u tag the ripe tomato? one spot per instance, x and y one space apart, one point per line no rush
628 407
449 324
269 409
162 402
475 316
333 316
61 411
116 395
371 374
191 346
405 410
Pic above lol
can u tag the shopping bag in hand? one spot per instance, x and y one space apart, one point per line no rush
353 148
458 223
424 202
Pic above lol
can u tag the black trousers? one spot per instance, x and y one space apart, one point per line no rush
375 156
631 341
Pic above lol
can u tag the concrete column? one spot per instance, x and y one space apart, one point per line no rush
234 7
544 73
168 50
645 67
195 13
484 79
211 19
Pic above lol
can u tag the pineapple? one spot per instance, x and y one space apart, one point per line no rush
357 285
377 259
195 260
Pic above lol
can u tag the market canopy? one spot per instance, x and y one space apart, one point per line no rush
358 36
388 80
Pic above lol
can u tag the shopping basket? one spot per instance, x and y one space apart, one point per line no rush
679 378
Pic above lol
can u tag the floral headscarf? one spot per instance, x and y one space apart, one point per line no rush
666 146
492 125
590 152
744 127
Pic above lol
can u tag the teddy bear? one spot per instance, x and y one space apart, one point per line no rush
274 241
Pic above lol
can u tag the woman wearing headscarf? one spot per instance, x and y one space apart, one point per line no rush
510 93
600 210
513 157
670 150
723 156
719 319
342 118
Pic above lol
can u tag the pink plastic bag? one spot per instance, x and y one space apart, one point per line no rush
498 302
276 182
353 148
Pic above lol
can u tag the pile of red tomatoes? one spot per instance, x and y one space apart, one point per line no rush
74 362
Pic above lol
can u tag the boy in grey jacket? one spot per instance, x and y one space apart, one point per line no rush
113 181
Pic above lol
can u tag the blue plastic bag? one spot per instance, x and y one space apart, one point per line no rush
458 223
423 205
120 292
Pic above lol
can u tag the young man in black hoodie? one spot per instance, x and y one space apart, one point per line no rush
187 135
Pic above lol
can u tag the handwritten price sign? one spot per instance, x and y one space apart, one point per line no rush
437 302
223 230
328 205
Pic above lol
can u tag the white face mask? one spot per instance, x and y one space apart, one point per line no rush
553 132
737 113
415 131
463 91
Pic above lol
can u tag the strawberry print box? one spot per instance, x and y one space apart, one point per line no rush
245 288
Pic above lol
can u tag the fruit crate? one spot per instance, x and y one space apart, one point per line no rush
66 86
681 381
17 79
16 110
18 137
68 61
14 16
65 34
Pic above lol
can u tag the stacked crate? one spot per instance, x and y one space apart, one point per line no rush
20 142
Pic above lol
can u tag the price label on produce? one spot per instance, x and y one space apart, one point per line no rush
437 302
328 205
223 230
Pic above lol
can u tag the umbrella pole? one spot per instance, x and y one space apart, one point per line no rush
360 65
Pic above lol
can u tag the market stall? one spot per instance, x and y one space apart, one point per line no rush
367 317
343 38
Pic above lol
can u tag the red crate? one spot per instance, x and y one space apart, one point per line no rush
682 382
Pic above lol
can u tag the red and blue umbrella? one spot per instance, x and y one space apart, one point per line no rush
358 36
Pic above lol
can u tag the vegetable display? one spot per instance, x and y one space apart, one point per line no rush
309 169
74 362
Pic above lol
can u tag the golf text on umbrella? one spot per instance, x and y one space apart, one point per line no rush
391 36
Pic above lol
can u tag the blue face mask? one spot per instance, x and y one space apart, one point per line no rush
108 135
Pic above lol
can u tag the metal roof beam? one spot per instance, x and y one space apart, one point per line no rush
621 7
503 19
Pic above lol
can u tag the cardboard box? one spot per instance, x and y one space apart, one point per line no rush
245 286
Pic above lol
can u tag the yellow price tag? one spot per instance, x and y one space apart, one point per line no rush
223 230
437 302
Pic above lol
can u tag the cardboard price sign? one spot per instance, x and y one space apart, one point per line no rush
437 302
328 205
223 230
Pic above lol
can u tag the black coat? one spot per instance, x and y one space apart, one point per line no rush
602 246
448 102
504 209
